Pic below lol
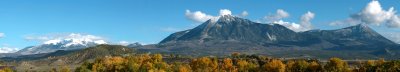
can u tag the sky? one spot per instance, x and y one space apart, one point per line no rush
33 22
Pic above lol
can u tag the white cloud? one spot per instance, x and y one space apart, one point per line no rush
75 37
244 14
292 26
305 20
394 22
198 16
8 50
224 12
373 14
280 14
2 35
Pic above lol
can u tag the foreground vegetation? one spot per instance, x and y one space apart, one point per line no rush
234 63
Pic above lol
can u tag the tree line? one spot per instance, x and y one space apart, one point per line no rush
235 63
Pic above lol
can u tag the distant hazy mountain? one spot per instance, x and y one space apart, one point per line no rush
65 44
135 45
232 34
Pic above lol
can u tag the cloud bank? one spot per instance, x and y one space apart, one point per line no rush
55 38
373 14
305 21
224 12
281 14
8 50
197 16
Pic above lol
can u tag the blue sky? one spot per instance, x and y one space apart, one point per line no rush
149 21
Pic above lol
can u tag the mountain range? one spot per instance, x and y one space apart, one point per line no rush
56 45
233 34
228 34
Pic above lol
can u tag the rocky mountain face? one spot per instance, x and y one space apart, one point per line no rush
353 37
233 34
230 28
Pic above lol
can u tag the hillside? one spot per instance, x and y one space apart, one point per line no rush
70 57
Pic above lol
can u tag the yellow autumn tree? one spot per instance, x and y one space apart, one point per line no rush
158 63
227 65
65 69
336 65
214 64
290 66
246 66
184 68
7 69
373 66
243 65
114 63
300 66
147 66
204 64
314 66
157 57
274 65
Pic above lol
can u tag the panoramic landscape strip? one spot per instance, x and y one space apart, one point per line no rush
199 36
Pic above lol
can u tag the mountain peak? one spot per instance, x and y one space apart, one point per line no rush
231 28
226 18
363 26
360 28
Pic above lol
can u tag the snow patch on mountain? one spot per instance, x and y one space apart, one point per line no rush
76 39
70 42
